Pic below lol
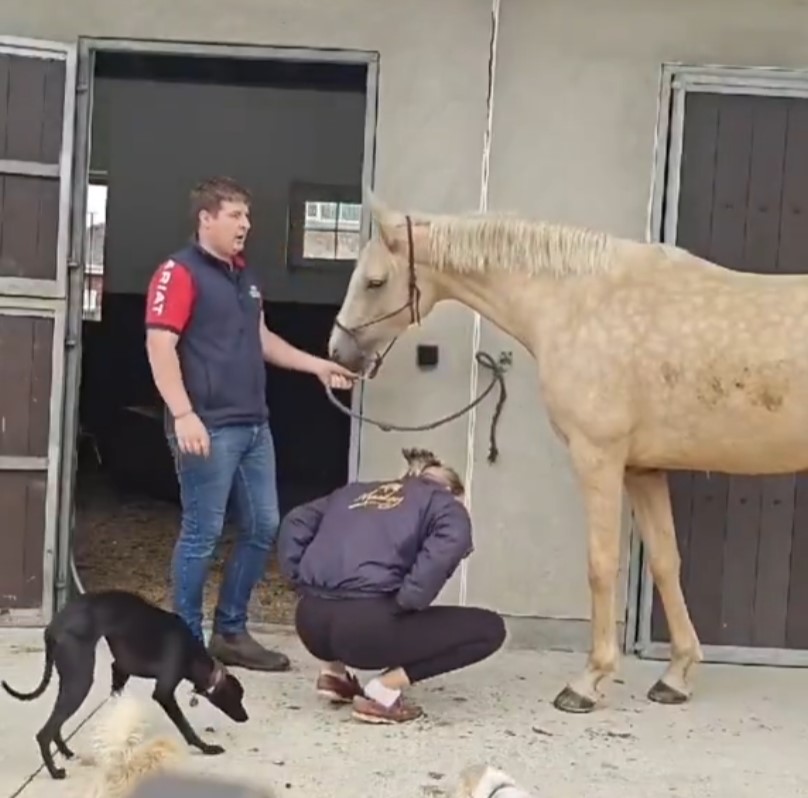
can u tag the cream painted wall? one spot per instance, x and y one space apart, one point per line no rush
574 113
431 118
575 108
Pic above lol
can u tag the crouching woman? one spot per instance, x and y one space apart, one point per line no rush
368 560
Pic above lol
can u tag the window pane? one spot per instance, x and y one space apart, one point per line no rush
348 246
321 215
350 216
319 244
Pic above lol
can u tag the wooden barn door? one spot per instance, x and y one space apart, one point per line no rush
743 202
37 90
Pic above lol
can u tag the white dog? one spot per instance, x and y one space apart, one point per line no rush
120 753
485 781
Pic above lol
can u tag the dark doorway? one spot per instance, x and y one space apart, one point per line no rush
743 539
293 132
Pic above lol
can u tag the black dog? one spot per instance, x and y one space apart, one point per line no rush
145 641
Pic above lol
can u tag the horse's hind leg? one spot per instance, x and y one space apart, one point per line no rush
650 497
601 477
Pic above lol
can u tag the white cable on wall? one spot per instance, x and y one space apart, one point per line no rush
474 376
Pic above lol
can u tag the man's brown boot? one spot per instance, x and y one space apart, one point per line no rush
243 651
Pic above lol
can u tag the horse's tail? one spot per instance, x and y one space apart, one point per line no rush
46 676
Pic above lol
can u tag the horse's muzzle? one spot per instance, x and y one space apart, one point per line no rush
344 349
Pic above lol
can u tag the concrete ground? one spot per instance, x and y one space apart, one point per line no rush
744 734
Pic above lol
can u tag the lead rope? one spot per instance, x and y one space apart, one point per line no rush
497 369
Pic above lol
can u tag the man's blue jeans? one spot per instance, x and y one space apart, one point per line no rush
241 459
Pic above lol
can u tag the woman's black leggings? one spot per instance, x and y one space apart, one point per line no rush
374 634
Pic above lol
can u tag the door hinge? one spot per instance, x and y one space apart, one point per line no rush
71 341
72 263
82 88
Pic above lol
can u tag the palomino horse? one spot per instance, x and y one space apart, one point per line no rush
649 358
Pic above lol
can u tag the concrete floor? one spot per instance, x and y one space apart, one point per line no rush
744 734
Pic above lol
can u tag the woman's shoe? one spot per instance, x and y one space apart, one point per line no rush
338 689
369 711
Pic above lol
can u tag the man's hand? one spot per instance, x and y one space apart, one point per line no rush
334 376
192 436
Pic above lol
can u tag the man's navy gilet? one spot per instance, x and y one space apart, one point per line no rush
220 349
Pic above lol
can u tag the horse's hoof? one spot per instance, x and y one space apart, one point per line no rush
663 693
570 701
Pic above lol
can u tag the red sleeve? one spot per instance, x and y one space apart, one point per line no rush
170 298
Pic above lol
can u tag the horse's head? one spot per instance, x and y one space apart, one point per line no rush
388 290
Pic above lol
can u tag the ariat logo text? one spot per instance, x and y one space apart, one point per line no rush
160 291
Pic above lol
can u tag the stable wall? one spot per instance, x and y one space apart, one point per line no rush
431 120
574 114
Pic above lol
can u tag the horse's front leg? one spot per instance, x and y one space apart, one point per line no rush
601 478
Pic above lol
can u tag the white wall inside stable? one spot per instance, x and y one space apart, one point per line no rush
156 140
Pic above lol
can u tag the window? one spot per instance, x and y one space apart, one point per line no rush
325 225
95 231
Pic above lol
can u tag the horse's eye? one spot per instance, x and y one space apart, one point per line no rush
375 283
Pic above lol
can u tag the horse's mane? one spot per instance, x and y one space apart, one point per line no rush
487 242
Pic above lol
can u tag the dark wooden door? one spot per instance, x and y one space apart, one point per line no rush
35 157
744 539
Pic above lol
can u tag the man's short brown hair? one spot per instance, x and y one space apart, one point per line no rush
209 195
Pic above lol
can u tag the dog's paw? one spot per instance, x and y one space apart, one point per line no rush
212 750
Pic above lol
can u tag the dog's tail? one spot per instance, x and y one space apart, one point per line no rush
119 750
46 676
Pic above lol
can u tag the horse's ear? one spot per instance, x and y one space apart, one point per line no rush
385 219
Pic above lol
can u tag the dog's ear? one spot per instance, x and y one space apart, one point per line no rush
418 460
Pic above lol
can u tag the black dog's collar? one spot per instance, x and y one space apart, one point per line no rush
217 675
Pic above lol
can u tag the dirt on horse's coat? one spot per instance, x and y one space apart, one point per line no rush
649 358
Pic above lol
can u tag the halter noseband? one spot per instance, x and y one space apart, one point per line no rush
413 303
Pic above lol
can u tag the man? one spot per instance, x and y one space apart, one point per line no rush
207 342
369 559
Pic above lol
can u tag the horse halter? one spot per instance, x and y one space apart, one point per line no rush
497 369
412 303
